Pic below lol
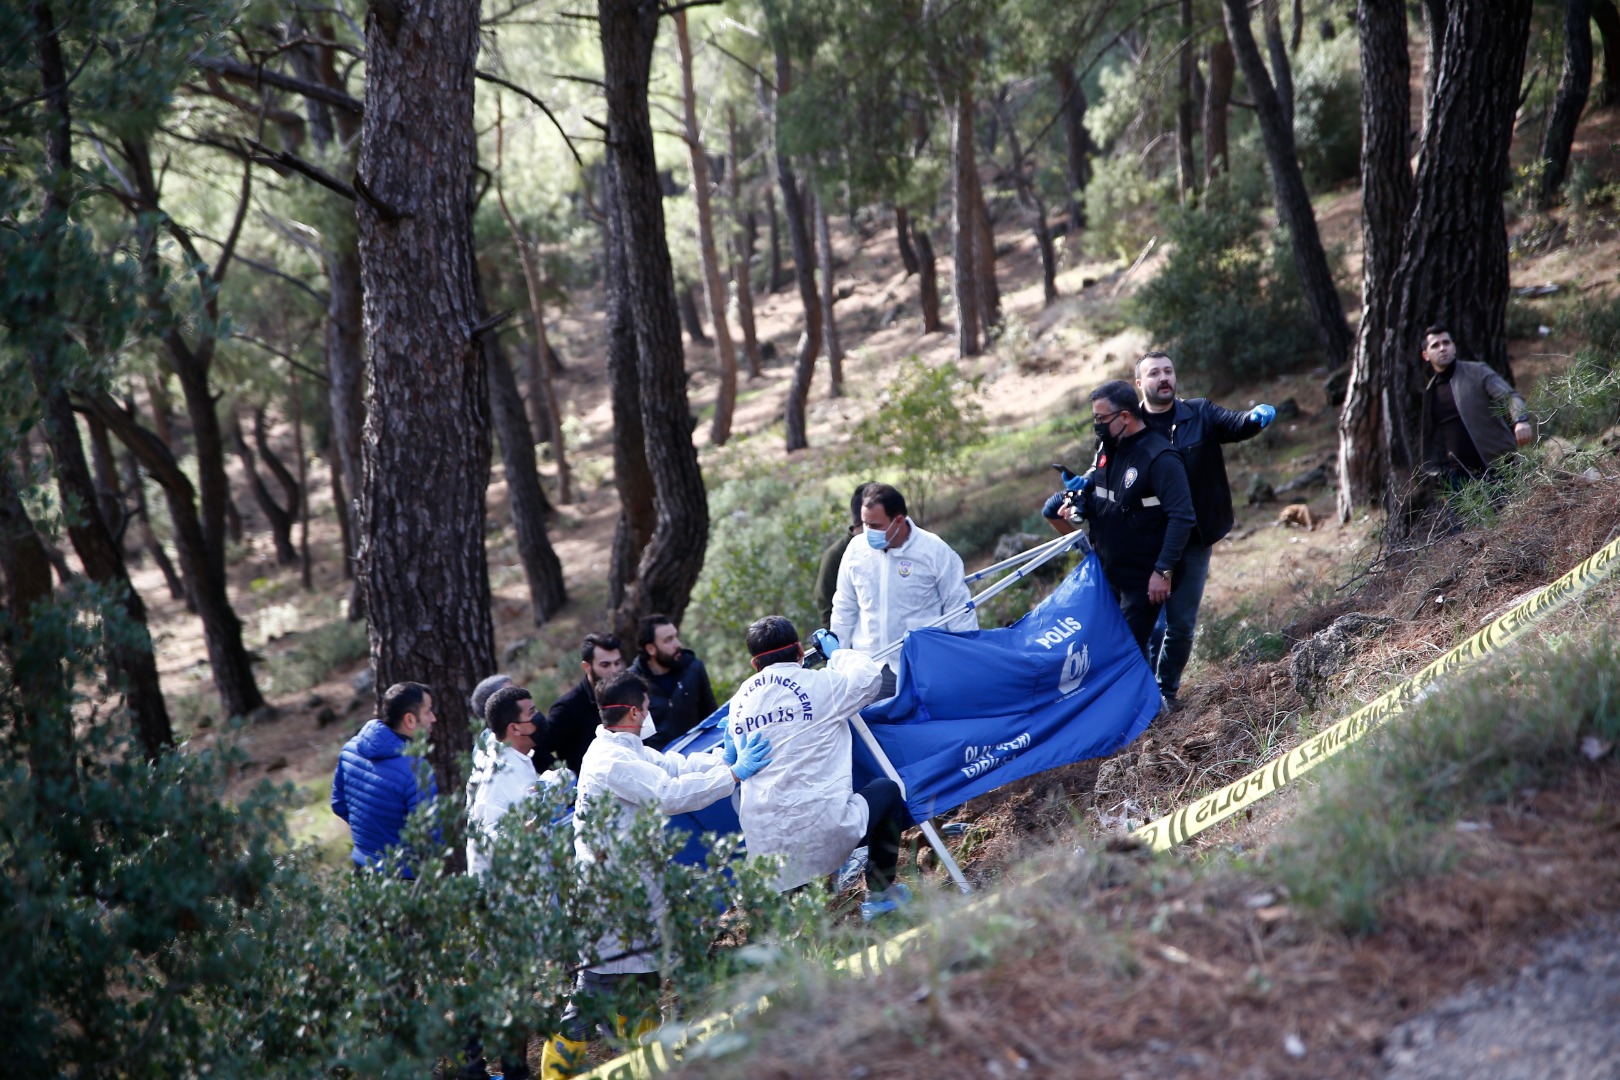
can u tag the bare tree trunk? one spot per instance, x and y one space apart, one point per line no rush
902 232
964 263
1035 207
1365 460
1282 71
1297 34
742 251
804 265
305 571
1607 16
829 296
1573 87
422 556
540 385
149 540
725 400
686 302
280 520
928 282
105 471
340 500
638 514
345 342
525 496
1077 139
37 682
1217 103
1434 34
673 558
1288 184
1186 164
776 279
984 255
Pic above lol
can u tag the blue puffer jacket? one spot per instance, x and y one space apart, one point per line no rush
375 788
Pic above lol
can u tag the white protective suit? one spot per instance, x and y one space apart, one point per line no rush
501 779
882 594
803 804
624 776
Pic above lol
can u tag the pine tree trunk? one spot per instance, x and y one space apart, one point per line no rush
525 497
1282 71
963 235
1077 141
928 282
148 538
105 471
776 279
129 653
1186 66
1573 87
1217 104
1365 461
345 341
36 687
673 558
804 265
422 557
984 255
280 521
725 400
305 572
638 514
686 303
742 251
902 232
829 296
1288 184
1607 16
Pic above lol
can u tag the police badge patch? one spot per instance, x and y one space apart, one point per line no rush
1130 476
905 567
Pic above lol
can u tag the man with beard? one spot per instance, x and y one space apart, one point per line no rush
573 720
677 682
1197 428
1140 510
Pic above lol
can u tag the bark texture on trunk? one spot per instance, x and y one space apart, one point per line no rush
776 277
1365 452
427 450
638 513
984 255
673 558
1186 66
927 282
902 233
1573 86
1607 16
1282 70
743 233
527 499
1077 141
1217 104
964 264
829 297
714 286
1288 186
345 340
804 265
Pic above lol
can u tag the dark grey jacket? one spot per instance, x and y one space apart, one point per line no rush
1482 397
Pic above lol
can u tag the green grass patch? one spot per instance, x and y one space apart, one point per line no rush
1382 814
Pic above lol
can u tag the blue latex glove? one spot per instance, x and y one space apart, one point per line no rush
727 745
825 641
1263 415
753 755
1071 482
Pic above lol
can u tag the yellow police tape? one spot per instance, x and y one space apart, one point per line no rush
663 1054
1193 819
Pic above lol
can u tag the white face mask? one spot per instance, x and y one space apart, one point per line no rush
648 728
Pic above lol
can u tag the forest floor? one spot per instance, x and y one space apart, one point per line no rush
1217 983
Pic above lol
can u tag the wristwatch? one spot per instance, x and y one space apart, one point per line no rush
1164 574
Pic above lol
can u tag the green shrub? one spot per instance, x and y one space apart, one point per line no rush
1227 305
764 552
315 652
926 420
1327 112
1121 206
1584 398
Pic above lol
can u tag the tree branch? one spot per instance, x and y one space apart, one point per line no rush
491 77
298 165
256 75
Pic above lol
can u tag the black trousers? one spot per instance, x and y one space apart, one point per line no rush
885 818
1140 614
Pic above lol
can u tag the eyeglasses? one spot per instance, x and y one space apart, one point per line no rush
1104 418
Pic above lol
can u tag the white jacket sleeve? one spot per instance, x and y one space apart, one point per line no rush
703 780
846 610
851 681
954 593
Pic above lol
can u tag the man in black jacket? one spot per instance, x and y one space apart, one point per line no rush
571 724
1197 428
1140 509
677 682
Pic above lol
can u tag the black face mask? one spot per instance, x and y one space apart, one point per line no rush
1103 433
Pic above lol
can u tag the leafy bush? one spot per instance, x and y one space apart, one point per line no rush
1584 398
1327 112
764 552
1227 304
925 421
1121 202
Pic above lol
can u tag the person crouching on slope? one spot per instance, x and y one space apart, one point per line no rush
617 777
803 806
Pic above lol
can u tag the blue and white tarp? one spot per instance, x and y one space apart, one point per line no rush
974 711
